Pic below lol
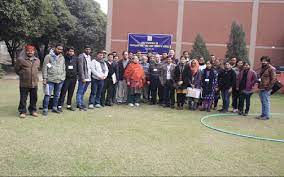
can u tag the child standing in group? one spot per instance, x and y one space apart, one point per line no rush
209 85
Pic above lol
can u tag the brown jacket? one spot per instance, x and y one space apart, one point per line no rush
267 78
28 72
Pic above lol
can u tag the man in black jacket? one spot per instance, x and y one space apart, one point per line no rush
227 80
71 64
109 83
122 86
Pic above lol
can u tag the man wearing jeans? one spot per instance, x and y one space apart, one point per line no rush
84 77
53 73
99 74
267 78
227 80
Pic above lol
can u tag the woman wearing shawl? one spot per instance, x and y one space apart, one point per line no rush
209 84
181 75
195 82
135 78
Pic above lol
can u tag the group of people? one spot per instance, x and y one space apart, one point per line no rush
136 77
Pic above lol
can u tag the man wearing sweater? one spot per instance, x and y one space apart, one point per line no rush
227 80
84 77
53 73
99 74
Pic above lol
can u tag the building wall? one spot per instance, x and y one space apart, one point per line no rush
262 22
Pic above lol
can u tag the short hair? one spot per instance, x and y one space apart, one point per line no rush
100 52
58 44
246 63
185 51
70 48
124 52
110 54
87 47
266 58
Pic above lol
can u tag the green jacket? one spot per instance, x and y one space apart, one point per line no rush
53 70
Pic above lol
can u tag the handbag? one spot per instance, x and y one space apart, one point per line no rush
277 86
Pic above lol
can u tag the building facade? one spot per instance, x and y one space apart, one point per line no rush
262 22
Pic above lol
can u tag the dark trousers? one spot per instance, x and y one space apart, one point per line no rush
68 86
134 98
154 84
169 93
160 93
244 97
216 98
235 97
96 91
226 99
24 92
107 93
180 99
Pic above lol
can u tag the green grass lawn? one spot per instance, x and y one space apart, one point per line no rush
148 140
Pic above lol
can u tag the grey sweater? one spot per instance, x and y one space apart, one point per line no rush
53 70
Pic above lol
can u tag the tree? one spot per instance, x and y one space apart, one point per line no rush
236 47
91 26
199 48
16 23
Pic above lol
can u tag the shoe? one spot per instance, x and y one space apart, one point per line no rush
223 111
44 113
215 108
137 104
91 106
34 114
259 117
245 114
81 108
71 109
220 110
208 110
172 106
130 104
55 111
235 110
59 109
264 118
202 109
98 106
241 113
22 115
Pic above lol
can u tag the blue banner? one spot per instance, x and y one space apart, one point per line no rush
156 43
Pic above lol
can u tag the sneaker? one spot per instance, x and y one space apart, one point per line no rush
130 104
91 106
34 114
81 108
235 110
264 118
22 115
98 106
59 109
44 113
55 111
71 108
259 117
137 104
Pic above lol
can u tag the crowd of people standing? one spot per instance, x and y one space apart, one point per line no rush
133 78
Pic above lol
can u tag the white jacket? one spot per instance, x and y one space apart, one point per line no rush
97 71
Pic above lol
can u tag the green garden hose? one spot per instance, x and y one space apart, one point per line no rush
202 120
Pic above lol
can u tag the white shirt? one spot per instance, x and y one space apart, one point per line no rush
168 72
89 63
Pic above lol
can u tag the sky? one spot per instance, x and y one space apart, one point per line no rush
103 4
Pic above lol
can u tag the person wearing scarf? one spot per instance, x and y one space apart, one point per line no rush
135 79
27 69
99 74
53 73
209 84
181 75
194 82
